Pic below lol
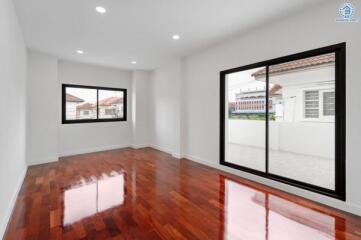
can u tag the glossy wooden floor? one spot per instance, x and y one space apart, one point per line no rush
147 194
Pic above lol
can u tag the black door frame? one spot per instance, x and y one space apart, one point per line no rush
340 117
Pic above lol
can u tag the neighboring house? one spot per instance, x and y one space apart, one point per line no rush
71 104
254 101
303 90
111 107
231 107
86 111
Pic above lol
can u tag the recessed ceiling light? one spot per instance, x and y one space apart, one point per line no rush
100 9
79 51
134 62
176 37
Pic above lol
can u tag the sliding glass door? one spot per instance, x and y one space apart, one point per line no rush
284 119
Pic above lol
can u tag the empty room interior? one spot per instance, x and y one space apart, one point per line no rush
180 119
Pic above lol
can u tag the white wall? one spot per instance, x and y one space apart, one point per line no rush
47 137
313 138
201 87
248 132
141 95
90 137
166 108
13 116
43 109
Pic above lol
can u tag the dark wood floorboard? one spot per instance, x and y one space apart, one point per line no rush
147 194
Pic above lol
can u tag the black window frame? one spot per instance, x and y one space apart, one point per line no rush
97 88
340 120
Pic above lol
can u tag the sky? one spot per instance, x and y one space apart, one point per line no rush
90 95
242 81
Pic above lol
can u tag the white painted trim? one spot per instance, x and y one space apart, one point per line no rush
42 161
160 148
5 220
177 155
202 161
335 203
137 146
95 149
166 150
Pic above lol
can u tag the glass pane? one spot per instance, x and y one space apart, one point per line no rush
302 131
81 103
245 118
110 104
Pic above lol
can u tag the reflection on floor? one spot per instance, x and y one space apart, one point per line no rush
147 194
85 199
310 169
276 215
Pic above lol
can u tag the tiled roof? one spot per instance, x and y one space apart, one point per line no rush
105 102
110 101
86 106
72 98
274 90
298 64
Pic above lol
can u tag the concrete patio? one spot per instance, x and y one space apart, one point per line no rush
315 170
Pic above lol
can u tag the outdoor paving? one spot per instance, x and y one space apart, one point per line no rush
310 169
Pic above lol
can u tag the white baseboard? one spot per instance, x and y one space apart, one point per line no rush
94 149
137 146
161 148
335 203
6 218
42 160
166 150
177 155
201 161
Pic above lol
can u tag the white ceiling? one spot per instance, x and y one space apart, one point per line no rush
141 30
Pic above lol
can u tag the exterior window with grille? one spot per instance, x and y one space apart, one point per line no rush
312 104
319 104
329 103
